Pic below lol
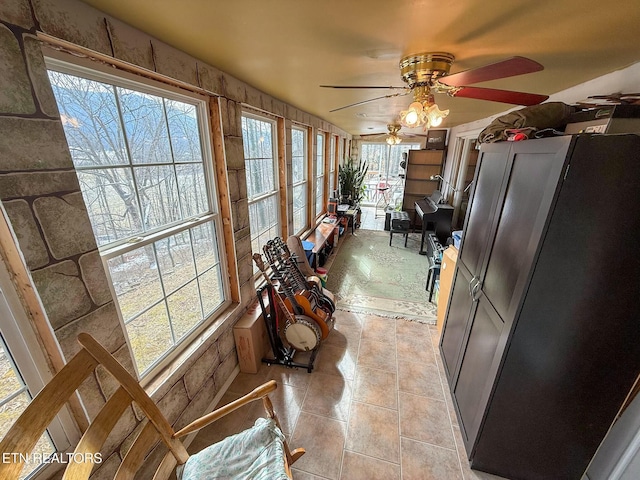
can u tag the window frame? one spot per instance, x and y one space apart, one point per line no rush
275 193
304 183
320 176
95 71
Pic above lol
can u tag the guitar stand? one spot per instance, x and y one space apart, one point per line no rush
283 355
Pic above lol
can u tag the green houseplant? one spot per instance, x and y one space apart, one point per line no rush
351 177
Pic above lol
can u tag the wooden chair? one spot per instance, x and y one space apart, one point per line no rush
29 427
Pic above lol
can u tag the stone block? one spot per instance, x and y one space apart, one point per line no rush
39 78
65 225
75 22
33 144
174 402
95 278
226 343
242 183
174 63
234 112
24 225
210 78
234 152
245 268
15 94
32 184
234 89
151 462
108 384
225 370
241 218
62 292
126 444
279 107
103 324
254 97
108 468
243 245
122 429
130 44
92 398
17 12
198 406
247 293
201 370
232 182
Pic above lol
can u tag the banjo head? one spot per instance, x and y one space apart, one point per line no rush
303 335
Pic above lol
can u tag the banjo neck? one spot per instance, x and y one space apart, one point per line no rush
257 258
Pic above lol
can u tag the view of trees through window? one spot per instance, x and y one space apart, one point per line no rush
319 173
261 168
299 177
384 167
139 160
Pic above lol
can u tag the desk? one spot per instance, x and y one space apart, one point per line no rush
325 235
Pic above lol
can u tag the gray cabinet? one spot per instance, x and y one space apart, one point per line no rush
525 340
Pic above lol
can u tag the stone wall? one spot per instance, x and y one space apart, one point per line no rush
41 195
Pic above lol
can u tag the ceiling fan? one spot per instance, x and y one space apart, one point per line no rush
428 73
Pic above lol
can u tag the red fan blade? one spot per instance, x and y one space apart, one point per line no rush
504 96
360 86
506 68
370 100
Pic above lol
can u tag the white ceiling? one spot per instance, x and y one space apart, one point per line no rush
287 48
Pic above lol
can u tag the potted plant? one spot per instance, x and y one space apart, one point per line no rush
351 178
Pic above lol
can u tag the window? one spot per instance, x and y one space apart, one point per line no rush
260 158
384 167
319 174
141 156
300 179
332 164
20 375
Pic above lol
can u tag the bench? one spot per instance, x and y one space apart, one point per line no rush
400 223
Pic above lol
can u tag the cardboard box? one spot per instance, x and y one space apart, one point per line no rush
252 340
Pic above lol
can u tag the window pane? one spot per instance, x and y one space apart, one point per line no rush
299 156
320 155
90 119
299 207
206 252
319 195
211 290
158 195
150 336
111 202
184 309
175 259
192 189
146 127
183 128
135 280
9 381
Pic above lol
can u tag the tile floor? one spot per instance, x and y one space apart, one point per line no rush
376 406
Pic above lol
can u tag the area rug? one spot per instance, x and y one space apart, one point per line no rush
369 276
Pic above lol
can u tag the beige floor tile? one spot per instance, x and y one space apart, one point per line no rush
415 349
379 355
360 467
376 387
324 440
420 379
295 377
348 319
415 329
344 337
421 461
245 382
329 396
336 361
287 403
300 475
426 420
379 329
373 431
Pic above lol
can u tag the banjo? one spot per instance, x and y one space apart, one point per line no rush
301 332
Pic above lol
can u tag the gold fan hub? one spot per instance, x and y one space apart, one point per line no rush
425 68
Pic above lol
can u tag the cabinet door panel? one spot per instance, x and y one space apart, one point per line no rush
478 225
477 371
456 322
532 183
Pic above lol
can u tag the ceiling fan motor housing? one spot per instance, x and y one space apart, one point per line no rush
424 68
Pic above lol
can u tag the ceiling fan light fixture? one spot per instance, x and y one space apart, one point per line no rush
393 138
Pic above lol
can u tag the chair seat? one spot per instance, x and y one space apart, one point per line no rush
256 453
